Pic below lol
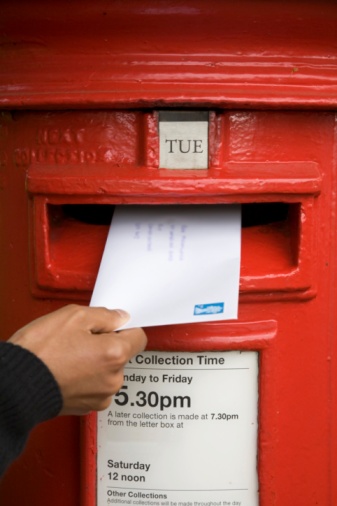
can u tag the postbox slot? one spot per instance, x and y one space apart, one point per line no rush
94 214
258 214
253 214
75 235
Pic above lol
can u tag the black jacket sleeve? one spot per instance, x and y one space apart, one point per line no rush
29 394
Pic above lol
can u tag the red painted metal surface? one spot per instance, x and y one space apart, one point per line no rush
80 87
212 52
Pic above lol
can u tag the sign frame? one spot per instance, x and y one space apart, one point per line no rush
237 336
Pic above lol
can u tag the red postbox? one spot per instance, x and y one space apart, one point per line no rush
82 88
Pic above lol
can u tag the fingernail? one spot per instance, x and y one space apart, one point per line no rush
123 314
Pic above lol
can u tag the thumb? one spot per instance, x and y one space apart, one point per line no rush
102 320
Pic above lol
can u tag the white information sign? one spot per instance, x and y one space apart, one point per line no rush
182 431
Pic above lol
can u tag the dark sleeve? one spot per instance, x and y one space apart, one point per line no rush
29 394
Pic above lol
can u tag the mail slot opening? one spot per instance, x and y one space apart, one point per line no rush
77 234
271 238
259 214
255 214
92 214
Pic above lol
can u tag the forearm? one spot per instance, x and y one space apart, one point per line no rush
29 395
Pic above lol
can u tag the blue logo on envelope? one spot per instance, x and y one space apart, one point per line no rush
213 308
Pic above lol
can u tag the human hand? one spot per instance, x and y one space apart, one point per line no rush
83 351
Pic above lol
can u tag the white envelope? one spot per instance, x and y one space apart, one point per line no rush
171 264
